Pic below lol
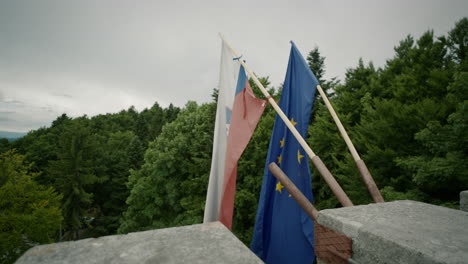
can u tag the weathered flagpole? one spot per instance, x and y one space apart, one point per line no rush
323 170
300 198
366 176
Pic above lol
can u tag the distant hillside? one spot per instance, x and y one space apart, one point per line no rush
11 136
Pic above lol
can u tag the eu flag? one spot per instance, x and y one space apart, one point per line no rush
283 232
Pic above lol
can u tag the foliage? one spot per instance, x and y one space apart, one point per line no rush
169 189
110 194
99 152
29 212
445 159
407 121
74 171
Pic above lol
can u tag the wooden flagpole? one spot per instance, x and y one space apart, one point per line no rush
300 198
366 176
323 170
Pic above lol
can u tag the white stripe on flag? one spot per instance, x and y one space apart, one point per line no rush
229 71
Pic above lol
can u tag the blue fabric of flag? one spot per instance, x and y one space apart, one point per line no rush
241 80
239 88
283 232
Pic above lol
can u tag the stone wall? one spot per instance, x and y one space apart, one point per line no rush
464 201
203 243
402 232
393 232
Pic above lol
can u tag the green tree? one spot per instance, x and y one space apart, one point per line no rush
316 64
156 121
30 213
416 81
324 137
110 195
103 148
74 172
458 43
170 187
136 151
404 122
150 121
4 145
446 157
41 146
170 113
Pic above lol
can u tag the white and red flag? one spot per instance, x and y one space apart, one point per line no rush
237 115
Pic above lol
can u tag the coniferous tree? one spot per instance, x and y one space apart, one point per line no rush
113 154
316 64
136 152
396 117
156 121
458 44
170 113
74 173
110 195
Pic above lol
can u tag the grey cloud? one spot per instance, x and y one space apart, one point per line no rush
12 102
90 57
62 95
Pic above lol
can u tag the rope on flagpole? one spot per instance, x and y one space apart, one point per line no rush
323 170
366 176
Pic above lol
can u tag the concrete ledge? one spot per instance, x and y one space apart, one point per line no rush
464 201
203 243
402 232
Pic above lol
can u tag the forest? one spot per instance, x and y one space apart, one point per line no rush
137 170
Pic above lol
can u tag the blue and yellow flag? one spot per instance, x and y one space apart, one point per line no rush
283 232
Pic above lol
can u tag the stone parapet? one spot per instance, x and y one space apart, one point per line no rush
203 243
402 232
464 201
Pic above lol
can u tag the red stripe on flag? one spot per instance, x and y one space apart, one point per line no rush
246 113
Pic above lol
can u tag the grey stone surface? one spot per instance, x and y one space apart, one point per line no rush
402 232
203 243
464 201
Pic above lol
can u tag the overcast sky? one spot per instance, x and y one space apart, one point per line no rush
93 57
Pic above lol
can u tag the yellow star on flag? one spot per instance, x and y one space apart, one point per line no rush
299 156
279 187
293 122
282 143
280 158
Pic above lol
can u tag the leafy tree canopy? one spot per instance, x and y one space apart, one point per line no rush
30 212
